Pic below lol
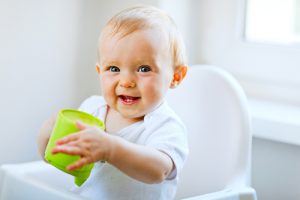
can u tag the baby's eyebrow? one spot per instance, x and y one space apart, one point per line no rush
109 63
150 62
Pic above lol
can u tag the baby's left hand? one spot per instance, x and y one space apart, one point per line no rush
90 143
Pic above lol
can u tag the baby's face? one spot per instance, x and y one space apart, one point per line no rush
136 71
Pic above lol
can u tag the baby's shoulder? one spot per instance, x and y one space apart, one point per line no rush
92 103
163 115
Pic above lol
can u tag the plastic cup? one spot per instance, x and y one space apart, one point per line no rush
65 125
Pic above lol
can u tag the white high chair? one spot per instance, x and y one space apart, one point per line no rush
214 109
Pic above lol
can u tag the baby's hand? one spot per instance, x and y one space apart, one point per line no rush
45 133
90 143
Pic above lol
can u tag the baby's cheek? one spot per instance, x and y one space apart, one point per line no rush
153 93
106 87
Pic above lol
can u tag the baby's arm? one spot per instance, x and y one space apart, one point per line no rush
139 162
44 134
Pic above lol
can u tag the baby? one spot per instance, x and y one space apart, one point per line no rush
144 146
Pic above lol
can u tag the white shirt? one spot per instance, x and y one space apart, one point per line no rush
161 129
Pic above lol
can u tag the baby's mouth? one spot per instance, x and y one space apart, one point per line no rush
128 99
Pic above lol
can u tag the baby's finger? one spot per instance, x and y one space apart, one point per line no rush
67 139
70 150
81 126
78 164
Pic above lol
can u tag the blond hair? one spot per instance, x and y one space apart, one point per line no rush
144 17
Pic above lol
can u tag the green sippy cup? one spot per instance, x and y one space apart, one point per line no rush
65 125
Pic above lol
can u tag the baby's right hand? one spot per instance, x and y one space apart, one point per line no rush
91 143
45 133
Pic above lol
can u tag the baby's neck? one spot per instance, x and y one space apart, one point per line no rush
114 122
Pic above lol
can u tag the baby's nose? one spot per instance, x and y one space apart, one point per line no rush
127 79
128 84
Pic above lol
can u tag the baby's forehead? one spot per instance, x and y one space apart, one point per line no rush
158 36
119 32
149 45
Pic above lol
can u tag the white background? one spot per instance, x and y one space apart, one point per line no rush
48 55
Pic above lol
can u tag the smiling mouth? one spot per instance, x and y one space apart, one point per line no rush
128 100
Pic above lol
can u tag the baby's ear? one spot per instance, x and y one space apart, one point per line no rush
98 68
179 74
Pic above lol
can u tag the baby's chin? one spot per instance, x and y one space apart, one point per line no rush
137 112
133 117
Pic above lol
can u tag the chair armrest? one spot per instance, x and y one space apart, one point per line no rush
35 180
246 193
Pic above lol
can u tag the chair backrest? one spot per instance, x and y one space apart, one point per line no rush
214 108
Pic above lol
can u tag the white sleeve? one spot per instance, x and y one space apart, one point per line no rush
170 137
90 104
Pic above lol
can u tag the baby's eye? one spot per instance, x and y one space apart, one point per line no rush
144 68
113 69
